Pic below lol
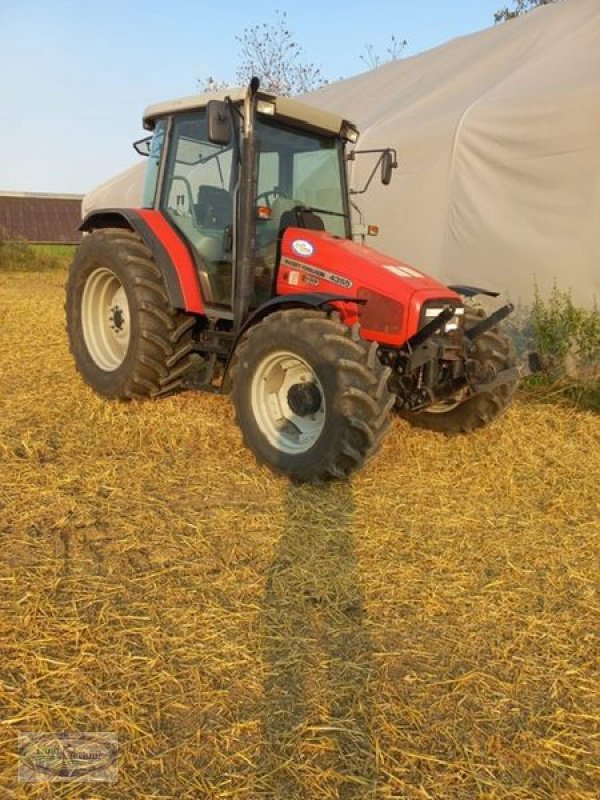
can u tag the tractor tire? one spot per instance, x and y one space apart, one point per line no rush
126 340
311 397
495 352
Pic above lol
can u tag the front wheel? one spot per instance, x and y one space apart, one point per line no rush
310 395
494 352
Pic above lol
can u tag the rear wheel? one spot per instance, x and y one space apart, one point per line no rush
310 395
494 352
125 338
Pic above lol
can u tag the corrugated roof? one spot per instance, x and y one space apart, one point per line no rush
40 217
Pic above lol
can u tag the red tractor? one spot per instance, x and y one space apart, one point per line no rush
240 274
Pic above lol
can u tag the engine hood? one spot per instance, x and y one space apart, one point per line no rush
354 262
319 262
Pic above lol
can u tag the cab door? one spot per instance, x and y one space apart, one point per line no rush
197 198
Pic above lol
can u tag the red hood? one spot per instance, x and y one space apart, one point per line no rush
317 261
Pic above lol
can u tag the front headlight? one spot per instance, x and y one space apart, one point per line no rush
349 132
434 311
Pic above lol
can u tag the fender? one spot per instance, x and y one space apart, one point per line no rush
472 291
308 300
168 249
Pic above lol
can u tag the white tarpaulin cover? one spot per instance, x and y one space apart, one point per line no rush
498 139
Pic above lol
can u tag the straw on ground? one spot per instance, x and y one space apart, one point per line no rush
430 630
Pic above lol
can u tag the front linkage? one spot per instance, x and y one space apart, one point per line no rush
435 366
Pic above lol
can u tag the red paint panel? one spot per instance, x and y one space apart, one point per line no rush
180 256
344 267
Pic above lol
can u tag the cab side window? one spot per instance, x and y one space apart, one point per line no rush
156 146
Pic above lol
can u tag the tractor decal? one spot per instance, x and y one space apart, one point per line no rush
317 272
403 271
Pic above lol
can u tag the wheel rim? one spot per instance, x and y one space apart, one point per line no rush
105 319
280 379
442 407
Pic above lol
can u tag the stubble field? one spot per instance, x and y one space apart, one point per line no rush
429 630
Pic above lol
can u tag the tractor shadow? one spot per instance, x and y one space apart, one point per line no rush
316 729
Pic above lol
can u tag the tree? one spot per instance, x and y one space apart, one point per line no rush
519 8
270 51
211 84
393 51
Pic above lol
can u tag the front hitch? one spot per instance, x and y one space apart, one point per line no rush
430 367
489 322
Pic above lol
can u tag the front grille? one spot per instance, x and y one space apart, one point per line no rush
379 313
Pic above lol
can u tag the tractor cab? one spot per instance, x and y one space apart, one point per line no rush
194 178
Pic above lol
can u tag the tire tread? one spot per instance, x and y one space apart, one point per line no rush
363 401
162 349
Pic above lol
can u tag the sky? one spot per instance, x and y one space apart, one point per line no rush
76 75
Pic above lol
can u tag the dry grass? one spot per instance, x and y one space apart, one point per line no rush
21 256
430 630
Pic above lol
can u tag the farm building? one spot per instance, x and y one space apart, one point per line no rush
40 218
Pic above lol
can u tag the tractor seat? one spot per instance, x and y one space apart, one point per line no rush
281 205
213 207
284 214
296 218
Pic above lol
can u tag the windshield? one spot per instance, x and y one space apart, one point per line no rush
305 169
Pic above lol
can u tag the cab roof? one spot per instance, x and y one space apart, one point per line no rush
286 109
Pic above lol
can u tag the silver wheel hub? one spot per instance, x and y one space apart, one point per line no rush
288 402
105 319
444 406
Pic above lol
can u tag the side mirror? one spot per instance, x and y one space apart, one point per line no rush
388 164
219 122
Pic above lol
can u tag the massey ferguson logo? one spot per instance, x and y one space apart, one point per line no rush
303 248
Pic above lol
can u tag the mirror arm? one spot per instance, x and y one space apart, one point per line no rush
382 151
139 142
372 175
